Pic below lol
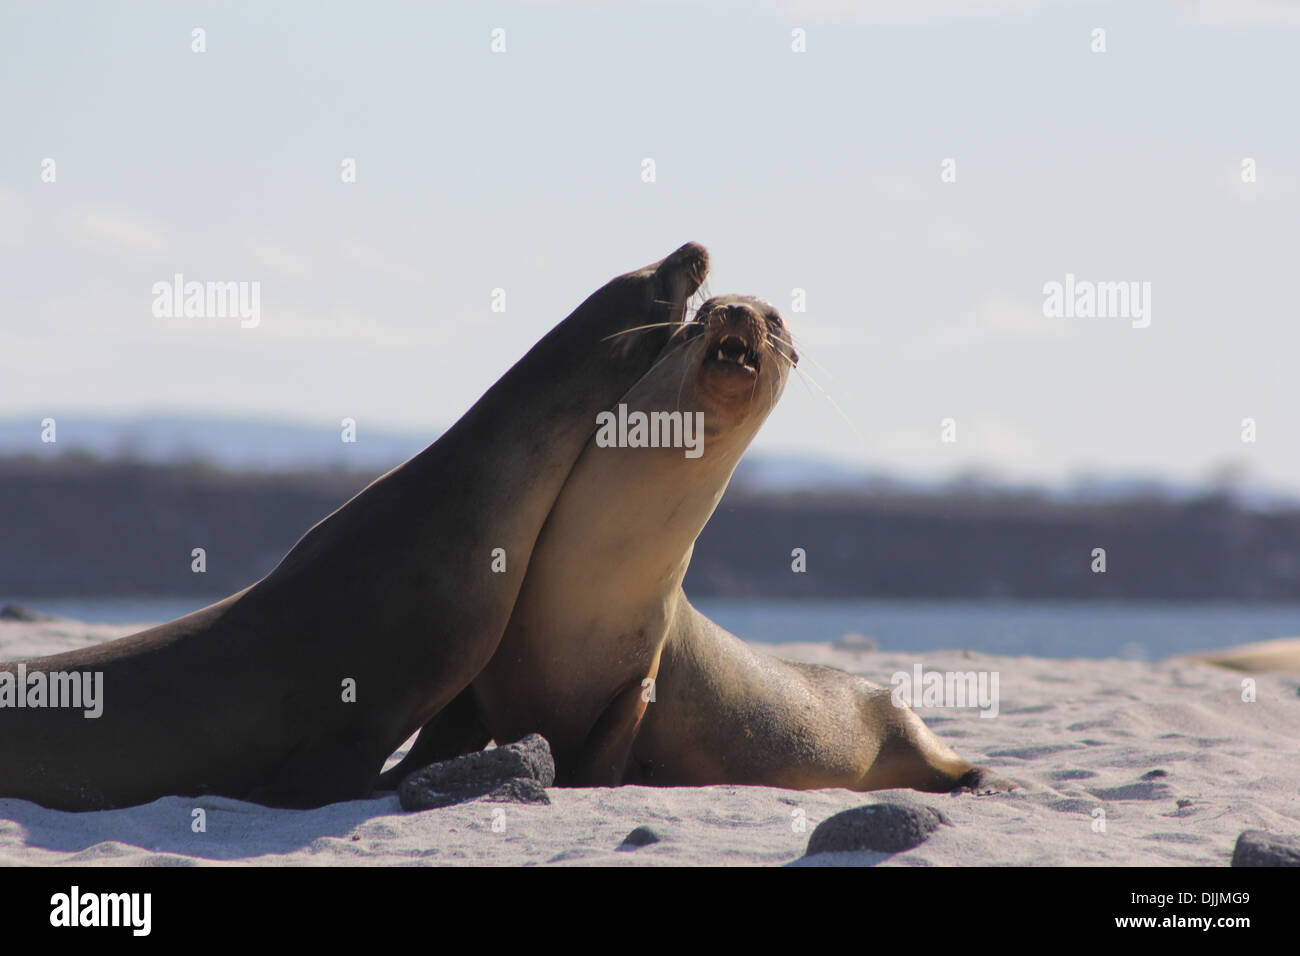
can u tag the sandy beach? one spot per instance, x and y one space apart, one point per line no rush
1121 763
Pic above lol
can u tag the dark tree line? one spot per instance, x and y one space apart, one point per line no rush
83 526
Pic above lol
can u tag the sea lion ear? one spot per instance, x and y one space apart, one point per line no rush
679 274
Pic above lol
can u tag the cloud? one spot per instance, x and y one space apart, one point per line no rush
292 262
368 259
1000 318
122 234
902 12
1248 13
999 441
281 260
893 12
13 220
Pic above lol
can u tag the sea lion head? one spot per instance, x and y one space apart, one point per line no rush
745 352
585 362
632 316
677 435
722 372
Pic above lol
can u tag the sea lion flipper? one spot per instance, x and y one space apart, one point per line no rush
455 730
609 745
982 781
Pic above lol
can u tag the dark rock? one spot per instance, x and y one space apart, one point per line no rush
518 790
577 853
881 827
530 757
641 836
516 773
1155 774
513 790
1257 848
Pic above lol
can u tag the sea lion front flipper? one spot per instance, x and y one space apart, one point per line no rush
608 746
455 730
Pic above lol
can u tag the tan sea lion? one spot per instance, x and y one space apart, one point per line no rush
1278 656
606 658
395 592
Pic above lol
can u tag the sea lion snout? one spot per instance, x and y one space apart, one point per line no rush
691 260
741 334
735 338
680 273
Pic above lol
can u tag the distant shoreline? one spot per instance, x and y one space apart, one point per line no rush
87 526
1132 630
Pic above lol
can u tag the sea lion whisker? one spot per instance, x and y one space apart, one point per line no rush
804 353
775 346
640 328
666 356
807 377
686 368
834 404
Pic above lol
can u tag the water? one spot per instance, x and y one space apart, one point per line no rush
1137 631
1140 631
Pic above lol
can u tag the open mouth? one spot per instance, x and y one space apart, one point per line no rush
733 353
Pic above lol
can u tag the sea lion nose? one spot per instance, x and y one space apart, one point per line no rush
736 315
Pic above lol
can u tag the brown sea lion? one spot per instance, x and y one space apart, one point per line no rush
295 690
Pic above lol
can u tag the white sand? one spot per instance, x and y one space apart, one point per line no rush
1079 735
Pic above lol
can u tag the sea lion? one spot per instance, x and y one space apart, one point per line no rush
401 592
606 658
1278 656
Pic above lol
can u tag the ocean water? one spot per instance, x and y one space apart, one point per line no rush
1137 631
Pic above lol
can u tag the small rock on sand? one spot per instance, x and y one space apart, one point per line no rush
881 827
1257 848
516 773
641 836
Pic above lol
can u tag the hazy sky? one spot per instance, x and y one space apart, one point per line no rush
818 170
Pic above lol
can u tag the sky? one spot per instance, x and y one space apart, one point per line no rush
919 170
